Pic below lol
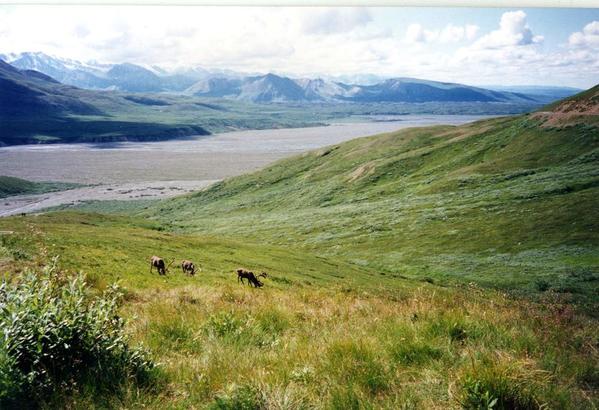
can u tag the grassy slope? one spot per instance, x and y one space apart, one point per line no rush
499 202
322 333
16 186
352 235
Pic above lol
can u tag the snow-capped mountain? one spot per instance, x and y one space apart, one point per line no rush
94 75
274 88
257 88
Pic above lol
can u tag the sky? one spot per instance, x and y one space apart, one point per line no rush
539 46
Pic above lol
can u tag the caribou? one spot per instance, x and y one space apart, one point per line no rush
158 263
252 279
188 267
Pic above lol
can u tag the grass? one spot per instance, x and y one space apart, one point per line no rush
10 186
500 202
321 333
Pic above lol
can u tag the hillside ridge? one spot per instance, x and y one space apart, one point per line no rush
412 201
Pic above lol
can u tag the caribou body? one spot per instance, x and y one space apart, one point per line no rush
158 263
188 267
252 279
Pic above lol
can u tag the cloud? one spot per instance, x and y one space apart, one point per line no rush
588 37
302 41
454 34
449 34
513 31
416 34
335 20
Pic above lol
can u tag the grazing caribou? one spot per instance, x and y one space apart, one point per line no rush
252 279
188 267
158 263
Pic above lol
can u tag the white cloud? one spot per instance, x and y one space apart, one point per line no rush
471 31
335 20
513 31
417 34
512 54
301 42
589 36
449 34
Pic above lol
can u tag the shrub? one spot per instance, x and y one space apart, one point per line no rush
477 397
56 337
542 285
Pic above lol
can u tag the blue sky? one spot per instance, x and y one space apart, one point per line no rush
554 24
474 46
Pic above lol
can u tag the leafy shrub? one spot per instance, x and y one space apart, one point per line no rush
542 285
55 337
477 397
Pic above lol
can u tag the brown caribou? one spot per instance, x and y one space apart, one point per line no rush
189 268
158 263
252 279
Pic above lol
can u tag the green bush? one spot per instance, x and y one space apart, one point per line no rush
477 397
57 338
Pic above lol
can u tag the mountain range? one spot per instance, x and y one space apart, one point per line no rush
268 88
36 108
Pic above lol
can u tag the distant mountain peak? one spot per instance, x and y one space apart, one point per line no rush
269 87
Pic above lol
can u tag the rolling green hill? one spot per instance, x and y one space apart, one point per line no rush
16 186
503 202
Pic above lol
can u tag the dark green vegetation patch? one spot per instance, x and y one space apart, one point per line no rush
16 186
